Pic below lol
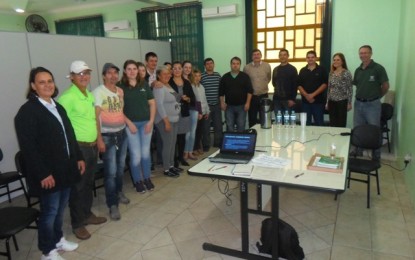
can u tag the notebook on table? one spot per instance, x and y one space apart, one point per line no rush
236 148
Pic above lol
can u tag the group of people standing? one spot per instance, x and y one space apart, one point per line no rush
61 141
333 91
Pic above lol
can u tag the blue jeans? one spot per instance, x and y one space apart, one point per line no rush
367 113
235 115
114 163
190 136
139 150
316 111
281 105
52 207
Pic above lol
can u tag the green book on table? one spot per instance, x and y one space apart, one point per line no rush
328 161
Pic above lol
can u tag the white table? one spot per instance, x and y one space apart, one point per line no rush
296 144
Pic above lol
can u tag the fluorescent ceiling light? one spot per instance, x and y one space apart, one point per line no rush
18 5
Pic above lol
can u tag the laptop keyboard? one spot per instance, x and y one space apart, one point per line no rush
229 160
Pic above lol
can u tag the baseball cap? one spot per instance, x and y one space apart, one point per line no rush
77 67
108 66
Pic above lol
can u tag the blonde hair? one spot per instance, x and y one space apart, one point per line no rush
192 77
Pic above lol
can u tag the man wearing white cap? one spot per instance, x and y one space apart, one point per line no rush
79 105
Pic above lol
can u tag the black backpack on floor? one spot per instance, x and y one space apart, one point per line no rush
288 244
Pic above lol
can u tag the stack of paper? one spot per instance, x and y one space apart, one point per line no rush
270 161
242 169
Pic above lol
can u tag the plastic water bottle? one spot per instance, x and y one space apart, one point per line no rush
279 118
286 119
293 119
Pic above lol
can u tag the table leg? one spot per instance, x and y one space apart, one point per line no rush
244 217
259 197
244 253
275 217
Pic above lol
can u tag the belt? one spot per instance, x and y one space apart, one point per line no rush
87 143
367 99
113 133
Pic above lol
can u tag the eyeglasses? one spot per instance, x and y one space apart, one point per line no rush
83 73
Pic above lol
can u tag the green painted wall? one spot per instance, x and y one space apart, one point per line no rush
12 22
405 109
225 36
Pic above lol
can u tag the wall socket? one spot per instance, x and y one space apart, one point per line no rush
408 158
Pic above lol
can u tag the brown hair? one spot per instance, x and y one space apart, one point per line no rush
124 78
341 56
32 77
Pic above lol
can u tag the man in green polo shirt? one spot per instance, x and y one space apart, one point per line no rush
79 105
372 84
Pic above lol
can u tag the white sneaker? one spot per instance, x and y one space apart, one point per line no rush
53 255
65 245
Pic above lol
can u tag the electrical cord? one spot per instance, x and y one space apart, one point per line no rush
297 141
397 169
393 167
225 190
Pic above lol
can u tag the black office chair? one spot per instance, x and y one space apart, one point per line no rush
365 137
21 168
7 178
13 220
386 115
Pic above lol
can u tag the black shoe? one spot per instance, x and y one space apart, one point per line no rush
170 173
149 185
184 163
139 187
177 169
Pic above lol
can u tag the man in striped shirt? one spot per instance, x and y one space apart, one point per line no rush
210 81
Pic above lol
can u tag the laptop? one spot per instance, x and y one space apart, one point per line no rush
236 148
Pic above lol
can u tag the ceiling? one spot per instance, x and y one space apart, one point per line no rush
51 6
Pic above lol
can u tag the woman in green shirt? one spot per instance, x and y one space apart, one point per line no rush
140 108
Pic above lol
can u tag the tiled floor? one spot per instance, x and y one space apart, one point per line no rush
174 220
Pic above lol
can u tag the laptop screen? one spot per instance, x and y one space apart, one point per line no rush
239 142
